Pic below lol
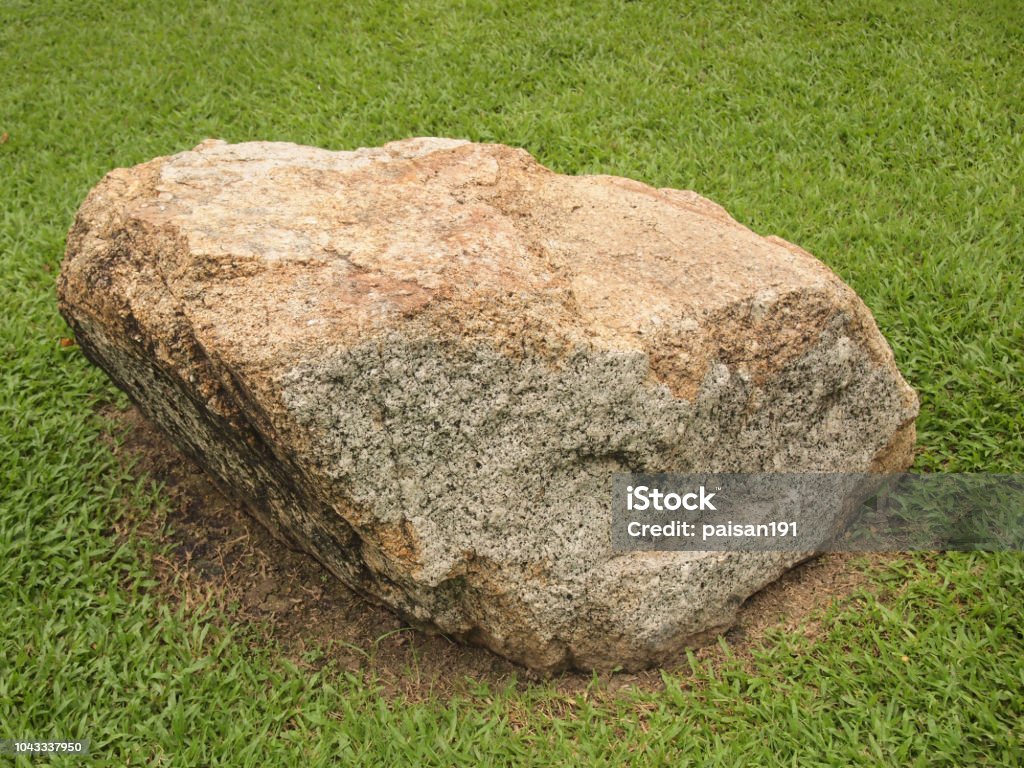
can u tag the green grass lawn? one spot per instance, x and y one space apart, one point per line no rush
884 138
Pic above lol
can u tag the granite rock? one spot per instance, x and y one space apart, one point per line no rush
423 362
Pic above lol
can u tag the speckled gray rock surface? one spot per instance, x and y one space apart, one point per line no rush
423 362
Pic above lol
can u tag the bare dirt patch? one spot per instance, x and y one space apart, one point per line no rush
211 550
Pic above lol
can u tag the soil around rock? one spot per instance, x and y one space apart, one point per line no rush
211 550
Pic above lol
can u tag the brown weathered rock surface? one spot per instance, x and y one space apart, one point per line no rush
423 362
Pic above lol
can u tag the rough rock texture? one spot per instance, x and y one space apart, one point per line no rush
423 362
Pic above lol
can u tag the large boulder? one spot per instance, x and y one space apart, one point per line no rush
422 363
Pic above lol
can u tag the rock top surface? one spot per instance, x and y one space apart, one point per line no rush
423 362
